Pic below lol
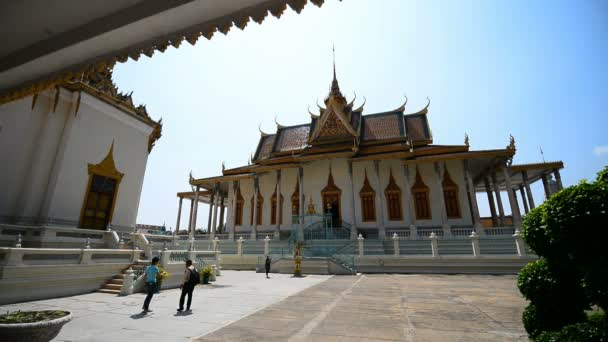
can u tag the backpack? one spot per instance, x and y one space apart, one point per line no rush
195 277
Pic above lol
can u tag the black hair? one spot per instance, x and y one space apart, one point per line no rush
188 262
155 260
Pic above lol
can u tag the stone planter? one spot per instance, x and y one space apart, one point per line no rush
33 332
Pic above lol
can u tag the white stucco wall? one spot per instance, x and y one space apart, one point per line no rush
315 179
49 153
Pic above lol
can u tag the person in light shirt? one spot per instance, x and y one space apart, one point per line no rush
151 273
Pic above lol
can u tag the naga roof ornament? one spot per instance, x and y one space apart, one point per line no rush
424 110
402 107
360 109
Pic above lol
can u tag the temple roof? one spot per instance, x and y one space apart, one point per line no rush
382 126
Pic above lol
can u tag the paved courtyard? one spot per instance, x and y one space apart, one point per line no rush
244 306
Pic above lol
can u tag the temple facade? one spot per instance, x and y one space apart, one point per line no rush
370 174
74 155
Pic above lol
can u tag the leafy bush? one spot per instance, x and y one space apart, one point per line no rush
569 231
594 330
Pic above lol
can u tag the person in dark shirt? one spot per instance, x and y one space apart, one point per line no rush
267 265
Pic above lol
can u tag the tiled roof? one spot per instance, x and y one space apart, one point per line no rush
291 138
265 147
417 127
382 126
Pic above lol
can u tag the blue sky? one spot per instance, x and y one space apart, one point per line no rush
534 69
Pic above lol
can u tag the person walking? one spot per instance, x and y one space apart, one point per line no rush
267 265
151 273
191 279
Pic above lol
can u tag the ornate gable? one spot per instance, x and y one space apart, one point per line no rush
333 128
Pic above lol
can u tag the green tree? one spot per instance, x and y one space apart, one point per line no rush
569 232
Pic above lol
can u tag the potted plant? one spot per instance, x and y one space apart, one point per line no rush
160 276
206 274
32 326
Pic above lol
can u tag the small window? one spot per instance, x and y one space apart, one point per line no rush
258 220
450 196
238 219
393 199
273 209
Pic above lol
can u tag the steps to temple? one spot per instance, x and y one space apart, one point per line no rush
114 285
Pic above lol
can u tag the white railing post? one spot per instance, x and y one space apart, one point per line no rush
361 246
475 243
218 259
165 257
215 244
14 257
396 244
85 256
18 242
434 247
127 284
519 243
239 246
136 254
266 245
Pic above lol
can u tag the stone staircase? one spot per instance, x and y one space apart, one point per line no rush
114 285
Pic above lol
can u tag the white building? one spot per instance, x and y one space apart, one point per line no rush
74 156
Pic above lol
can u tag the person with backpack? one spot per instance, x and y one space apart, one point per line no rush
191 279
151 273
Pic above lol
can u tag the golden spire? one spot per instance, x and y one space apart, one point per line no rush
335 88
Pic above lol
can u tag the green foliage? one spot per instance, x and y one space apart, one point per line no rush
31 316
595 329
207 271
569 231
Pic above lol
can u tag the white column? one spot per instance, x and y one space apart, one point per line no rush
473 195
195 211
380 206
444 215
215 207
558 179
546 186
501 211
235 185
210 218
266 245
524 200
179 214
408 203
254 227
512 200
279 207
524 176
239 246
353 219
190 215
300 235
491 201
220 223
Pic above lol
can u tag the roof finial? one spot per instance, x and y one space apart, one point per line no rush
335 89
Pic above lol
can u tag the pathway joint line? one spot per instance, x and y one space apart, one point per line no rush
303 333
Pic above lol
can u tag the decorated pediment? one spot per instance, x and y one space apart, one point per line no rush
333 128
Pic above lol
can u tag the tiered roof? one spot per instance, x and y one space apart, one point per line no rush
339 128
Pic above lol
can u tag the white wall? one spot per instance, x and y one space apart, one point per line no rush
48 156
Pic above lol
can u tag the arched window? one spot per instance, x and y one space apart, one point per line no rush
368 201
258 220
450 196
393 199
238 214
420 192
295 200
273 209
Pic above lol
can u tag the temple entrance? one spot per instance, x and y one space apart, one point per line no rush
331 195
99 203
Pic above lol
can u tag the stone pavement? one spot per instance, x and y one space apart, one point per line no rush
390 308
104 317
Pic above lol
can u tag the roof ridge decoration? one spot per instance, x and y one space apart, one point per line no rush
424 110
402 107
360 109
511 145
466 140
314 116
264 134
279 126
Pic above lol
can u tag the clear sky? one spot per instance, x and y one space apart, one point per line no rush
534 69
